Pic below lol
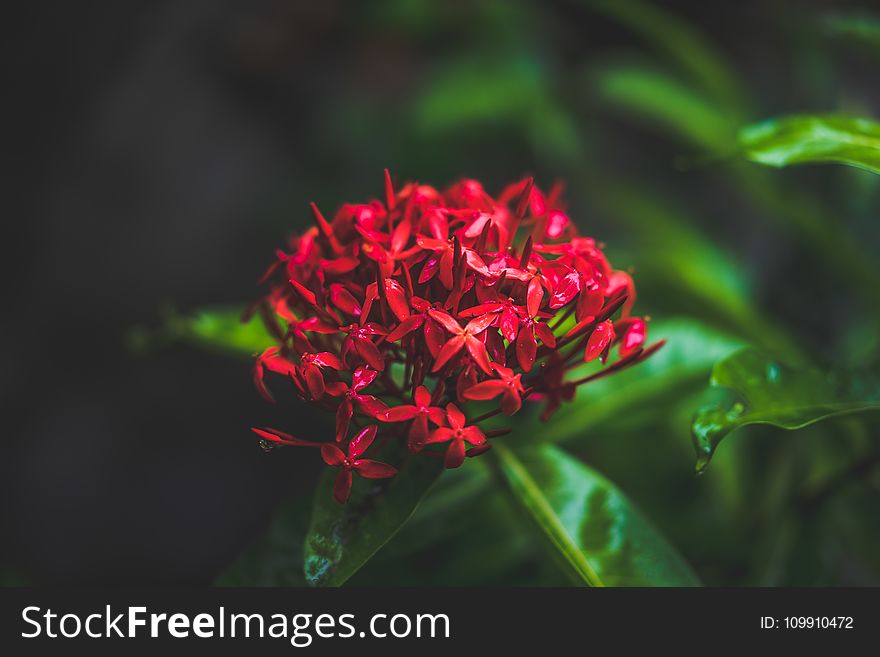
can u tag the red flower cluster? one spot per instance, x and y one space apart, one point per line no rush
399 312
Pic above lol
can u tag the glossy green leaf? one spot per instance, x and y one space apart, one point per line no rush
601 538
687 359
805 139
342 538
221 329
764 391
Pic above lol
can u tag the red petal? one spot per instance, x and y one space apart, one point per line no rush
418 431
370 353
343 418
438 225
446 321
339 265
372 406
260 384
509 324
335 388
331 454
534 296
314 380
543 332
422 397
455 416
281 438
619 282
485 390
479 324
396 298
362 377
511 402
362 441
342 486
478 351
446 269
454 454
633 338
473 435
406 326
448 350
369 469
440 435
437 416
526 349
475 262
589 304
435 337
482 309
601 337
432 264
305 293
476 226
556 224
400 413
401 236
344 300
326 359
566 290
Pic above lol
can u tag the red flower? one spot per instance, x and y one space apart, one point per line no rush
463 337
420 413
456 292
351 396
457 434
509 385
352 462
310 370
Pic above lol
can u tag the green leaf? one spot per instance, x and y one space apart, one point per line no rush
679 41
805 139
859 27
276 558
764 391
687 359
682 268
342 538
599 535
670 103
220 329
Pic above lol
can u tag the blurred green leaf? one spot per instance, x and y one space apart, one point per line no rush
221 329
690 352
683 268
276 558
682 43
514 92
806 139
667 101
342 538
859 27
764 391
601 538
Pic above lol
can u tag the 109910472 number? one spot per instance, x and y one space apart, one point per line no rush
817 622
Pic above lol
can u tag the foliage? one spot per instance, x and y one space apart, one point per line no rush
763 283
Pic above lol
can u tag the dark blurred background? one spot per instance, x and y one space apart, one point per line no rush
160 151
